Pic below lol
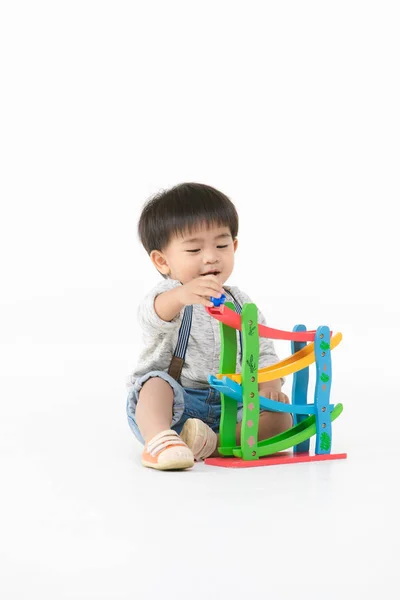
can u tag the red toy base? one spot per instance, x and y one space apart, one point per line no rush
282 458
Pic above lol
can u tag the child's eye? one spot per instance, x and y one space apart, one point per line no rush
198 249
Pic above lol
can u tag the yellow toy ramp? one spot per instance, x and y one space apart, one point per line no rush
296 362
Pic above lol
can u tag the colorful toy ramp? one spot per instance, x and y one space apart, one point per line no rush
234 390
296 362
289 438
310 419
229 317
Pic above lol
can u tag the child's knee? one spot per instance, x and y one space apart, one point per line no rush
156 385
155 389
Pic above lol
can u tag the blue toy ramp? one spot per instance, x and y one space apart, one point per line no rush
234 390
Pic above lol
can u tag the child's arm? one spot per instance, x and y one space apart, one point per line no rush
149 320
197 291
168 304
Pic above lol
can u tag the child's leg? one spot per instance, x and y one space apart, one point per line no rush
154 408
155 404
270 424
204 442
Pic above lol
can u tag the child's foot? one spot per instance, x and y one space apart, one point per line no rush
166 451
200 438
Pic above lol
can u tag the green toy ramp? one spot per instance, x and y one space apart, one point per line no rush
289 438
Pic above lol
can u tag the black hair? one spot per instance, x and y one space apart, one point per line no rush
182 209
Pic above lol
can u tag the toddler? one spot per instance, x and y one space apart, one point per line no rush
190 233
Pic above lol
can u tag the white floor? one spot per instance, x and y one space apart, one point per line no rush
292 110
80 517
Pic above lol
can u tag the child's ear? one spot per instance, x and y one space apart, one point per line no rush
160 262
235 244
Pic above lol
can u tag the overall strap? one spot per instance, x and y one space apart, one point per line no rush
178 359
175 368
238 309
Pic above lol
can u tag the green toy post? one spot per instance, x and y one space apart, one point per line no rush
229 407
251 399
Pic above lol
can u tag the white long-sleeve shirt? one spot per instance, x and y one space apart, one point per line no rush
204 346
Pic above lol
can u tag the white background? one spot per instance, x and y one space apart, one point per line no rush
292 110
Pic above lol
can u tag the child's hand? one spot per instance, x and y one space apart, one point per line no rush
199 290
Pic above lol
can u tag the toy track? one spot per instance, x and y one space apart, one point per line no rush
234 390
229 317
296 362
308 347
289 438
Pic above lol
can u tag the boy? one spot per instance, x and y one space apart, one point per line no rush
190 234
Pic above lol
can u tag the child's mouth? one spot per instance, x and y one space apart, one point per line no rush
211 273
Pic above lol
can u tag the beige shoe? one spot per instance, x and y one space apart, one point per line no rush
167 451
200 438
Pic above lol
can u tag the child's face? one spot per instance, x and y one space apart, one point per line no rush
197 253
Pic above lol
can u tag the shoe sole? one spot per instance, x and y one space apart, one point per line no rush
170 466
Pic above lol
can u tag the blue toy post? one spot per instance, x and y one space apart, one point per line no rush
299 390
322 349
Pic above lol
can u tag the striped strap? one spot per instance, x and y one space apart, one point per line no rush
178 360
238 309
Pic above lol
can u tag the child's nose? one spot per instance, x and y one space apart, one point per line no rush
210 255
